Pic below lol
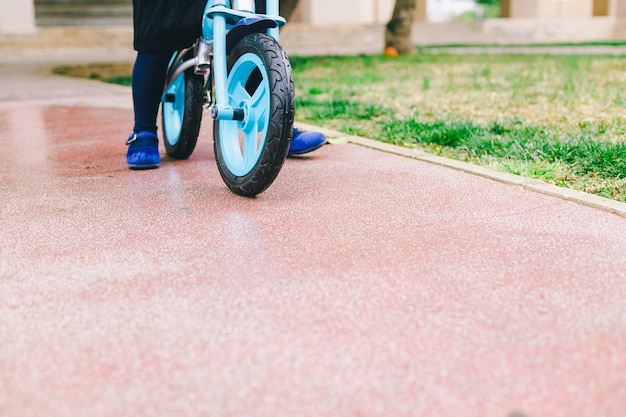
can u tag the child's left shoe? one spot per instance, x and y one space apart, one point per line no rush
143 151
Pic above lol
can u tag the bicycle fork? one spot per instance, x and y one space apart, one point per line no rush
211 49
221 110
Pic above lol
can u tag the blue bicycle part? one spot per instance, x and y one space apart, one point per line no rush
251 144
245 27
181 110
232 17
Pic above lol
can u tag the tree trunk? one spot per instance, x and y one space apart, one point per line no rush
287 7
398 29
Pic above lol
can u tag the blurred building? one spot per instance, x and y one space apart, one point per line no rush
562 8
25 15
533 21
350 26
365 12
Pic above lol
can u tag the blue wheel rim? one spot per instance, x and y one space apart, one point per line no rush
242 142
173 112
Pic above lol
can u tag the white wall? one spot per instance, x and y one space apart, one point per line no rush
368 12
17 17
442 10
347 12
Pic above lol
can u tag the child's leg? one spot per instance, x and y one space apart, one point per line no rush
148 79
147 84
259 6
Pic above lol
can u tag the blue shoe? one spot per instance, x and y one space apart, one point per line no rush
305 142
143 151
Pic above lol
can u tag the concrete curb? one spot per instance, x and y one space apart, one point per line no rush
575 196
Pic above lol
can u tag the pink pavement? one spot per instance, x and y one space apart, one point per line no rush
360 283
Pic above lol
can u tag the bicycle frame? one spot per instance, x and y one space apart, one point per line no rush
238 67
220 23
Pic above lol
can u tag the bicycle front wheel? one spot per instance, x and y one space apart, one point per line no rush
251 152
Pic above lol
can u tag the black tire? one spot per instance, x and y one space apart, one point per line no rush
181 113
276 134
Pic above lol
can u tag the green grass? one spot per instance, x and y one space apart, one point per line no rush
114 73
560 119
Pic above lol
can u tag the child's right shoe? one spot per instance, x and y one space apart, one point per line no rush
143 151
305 142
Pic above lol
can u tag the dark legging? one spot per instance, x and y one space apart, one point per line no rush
259 6
147 84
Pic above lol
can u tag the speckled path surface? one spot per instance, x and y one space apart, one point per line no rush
360 284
